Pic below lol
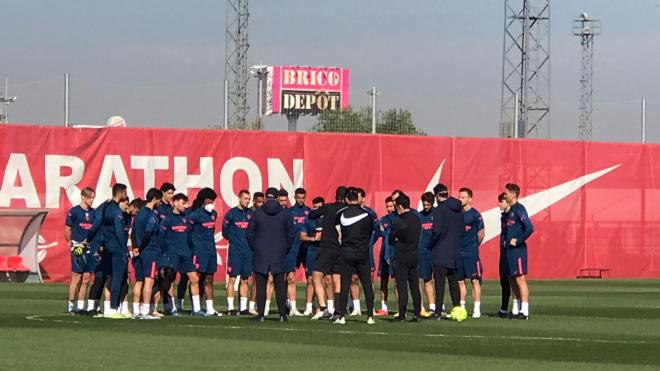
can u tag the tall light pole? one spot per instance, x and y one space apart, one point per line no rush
6 99
586 28
374 93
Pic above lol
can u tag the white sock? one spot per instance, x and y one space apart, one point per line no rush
136 308
179 304
195 303
91 304
293 305
243 304
309 307
524 308
251 305
463 304
432 307
70 306
145 309
123 308
443 307
109 312
356 305
230 303
331 306
477 307
515 310
81 304
383 305
267 308
106 306
209 307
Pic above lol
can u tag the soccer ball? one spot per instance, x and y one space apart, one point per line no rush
459 314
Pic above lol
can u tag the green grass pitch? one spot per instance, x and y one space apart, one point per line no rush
587 324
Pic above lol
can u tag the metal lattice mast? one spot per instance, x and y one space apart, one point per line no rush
586 29
236 65
526 69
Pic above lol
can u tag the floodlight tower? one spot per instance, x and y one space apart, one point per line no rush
526 69
236 66
586 28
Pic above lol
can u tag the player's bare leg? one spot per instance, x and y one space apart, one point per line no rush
521 282
355 295
231 281
291 294
74 287
476 296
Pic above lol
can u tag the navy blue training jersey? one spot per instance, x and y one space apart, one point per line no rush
80 221
503 232
299 214
470 241
174 234
427 229
313 228
202 230
518 226
163 210
147 220
114 231
233 230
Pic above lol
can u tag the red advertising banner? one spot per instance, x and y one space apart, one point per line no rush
594 205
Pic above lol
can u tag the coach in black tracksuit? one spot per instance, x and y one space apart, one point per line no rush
356 227
445 243
405 234
270 234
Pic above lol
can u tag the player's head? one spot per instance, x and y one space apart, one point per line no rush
440 191
402 203
205 198
168 192
501 202
134 206
352 196
119 191
283 198
465 196
180 202
123 204
243 198
87 196
258 199
300 195
389 204
512 192
362 194
427 201
153 198
317 202
396 193
340 194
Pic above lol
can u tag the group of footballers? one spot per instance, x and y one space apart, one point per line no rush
163 238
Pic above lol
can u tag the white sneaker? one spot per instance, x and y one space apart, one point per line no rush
308 312
319 314
340 321
476 315
356 312
149 317
370 321
294 313
254 312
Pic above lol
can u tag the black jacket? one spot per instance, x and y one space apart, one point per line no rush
356 228
405 234
448 229
270 234
329 237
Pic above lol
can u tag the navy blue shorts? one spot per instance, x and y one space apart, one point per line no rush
384 268
517 261
205 262
180 263
425 265
138 269
239 265
151 261
312 252
470 268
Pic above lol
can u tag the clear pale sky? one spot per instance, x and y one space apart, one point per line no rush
161 62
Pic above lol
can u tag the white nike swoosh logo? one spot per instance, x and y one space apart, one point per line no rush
350 221
539 201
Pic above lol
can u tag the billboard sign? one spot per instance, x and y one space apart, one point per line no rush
296 90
